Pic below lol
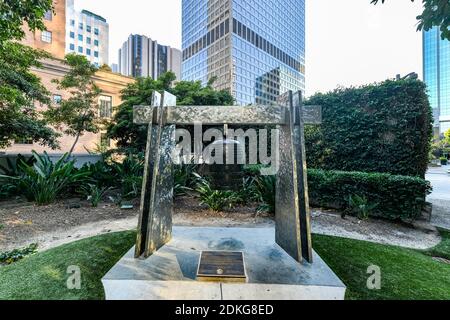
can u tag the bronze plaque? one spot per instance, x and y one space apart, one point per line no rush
221 266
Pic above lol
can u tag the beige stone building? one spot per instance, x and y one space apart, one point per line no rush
111 84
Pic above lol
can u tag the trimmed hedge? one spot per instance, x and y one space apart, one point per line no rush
384 127
398 197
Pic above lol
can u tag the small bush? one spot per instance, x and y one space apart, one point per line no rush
266 186
17 254
216 200
184 177
128 174
397 197
94 193
360 206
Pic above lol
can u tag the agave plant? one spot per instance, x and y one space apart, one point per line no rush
44 181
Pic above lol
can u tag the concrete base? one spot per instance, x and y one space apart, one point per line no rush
272 274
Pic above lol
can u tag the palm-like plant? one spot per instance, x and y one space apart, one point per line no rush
44 181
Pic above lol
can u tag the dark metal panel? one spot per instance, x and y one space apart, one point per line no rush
287 220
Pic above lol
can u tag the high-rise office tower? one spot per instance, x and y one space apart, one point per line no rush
141 56
436 70
253 48
87 34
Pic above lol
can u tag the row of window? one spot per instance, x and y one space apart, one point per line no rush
249 35
208 39
88 27
81 50
105 111
81 38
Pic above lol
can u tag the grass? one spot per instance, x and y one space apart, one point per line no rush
405 273
43 276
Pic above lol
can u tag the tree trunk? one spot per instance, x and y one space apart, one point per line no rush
74 144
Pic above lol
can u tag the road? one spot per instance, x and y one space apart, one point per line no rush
440 197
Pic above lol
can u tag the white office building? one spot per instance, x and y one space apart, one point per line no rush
87 34
141 56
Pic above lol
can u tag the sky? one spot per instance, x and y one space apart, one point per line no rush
348 42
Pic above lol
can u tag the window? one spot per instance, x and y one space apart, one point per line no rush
80 49
88 52
72 22
96 43
48 15
96 32
72 35
105 106
72 47
57 99
88 40
96 54
88 28
46 36
80 25
80 37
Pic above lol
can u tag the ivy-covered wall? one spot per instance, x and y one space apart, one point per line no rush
384 127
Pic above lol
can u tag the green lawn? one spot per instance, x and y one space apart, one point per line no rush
43 275
406 274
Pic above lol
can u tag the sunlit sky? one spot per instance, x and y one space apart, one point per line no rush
348 42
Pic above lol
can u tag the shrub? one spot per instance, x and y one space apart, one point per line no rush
128 175
444 161
384 127
44 181
397 197
94 193
266 186
360 206
100 173
184 177
17 254
216 200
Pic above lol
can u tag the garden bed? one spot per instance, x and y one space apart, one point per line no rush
49 226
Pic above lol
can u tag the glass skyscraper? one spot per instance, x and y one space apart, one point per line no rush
436 69
253 48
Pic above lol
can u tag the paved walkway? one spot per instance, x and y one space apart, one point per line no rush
440 198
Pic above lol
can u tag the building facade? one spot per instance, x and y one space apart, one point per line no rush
141 56
253 48
53 39
436 70
110 85
87 34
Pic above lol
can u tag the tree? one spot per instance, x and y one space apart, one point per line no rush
78 114
436 13
19 88
15 12
133 137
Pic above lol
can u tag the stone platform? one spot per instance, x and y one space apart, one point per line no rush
272 274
